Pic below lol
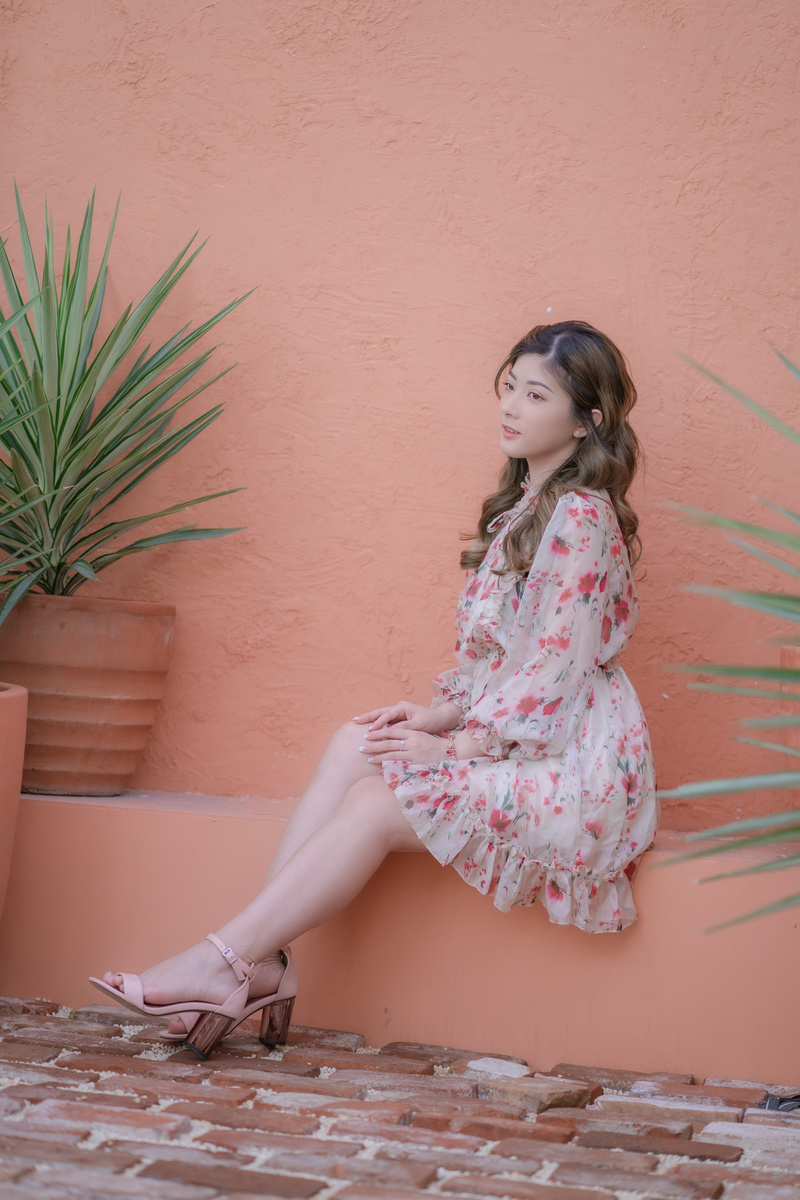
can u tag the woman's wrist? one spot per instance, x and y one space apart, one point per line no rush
449 714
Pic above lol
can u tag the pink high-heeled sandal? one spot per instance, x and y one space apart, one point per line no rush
190 1019
215 1020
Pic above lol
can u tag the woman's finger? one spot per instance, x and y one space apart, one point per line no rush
388 716
390 748
372 715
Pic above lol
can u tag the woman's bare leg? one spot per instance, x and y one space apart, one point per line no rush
340 767
326 872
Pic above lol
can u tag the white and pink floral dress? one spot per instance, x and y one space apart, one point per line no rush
565 805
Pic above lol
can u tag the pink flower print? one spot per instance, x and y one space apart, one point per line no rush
565 595
594 827
630 783
499 821
527 705
616 549
502 712
601 587
559 545
553 891
557 809
550 708
621 611
606 631
586 583
554 777
560 640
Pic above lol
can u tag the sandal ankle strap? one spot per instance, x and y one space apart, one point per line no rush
242 968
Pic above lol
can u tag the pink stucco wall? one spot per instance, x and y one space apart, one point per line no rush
410 186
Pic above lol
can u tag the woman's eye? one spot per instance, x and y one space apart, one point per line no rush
534 395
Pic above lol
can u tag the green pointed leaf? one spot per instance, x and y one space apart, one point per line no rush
774 864
787 607
788 364
771 559
83 568
773 821
779 747
18 591
789 541
734 690
758 409
772 722
778 906
98 537
738 783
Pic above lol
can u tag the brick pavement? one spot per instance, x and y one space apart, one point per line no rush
95 1104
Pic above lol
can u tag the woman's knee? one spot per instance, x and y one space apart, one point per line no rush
343 752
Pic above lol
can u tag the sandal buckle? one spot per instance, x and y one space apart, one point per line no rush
230 955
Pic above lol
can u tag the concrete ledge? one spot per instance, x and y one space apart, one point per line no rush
419 955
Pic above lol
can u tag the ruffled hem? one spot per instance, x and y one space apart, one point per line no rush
458 836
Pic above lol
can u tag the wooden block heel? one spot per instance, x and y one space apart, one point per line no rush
275 1021
208 1033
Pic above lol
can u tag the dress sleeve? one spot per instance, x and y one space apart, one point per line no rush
453 685
561 632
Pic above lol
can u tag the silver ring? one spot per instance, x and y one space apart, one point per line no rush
402 745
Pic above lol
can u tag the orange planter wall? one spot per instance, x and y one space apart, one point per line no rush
409 186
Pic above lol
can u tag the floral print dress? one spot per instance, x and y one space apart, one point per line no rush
564 803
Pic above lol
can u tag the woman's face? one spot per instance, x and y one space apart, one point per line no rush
536 417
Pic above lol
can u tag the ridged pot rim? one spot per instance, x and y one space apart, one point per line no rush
141 608
9 691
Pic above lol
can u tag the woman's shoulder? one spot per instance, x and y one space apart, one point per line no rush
585 506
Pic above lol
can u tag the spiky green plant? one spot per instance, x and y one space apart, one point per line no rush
776 684
86 427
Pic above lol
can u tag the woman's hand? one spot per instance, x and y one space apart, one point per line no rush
413 717
399 742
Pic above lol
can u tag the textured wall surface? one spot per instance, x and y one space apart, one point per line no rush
409 187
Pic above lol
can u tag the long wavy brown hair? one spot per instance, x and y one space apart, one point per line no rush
593 373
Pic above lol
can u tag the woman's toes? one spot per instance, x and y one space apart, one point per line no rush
113 979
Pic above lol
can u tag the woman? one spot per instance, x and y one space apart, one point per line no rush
532 773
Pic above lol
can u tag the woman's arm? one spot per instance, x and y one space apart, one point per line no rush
565 620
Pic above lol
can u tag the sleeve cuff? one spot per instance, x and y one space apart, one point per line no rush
450 686
491 743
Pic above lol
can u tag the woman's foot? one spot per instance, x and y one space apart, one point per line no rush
200 973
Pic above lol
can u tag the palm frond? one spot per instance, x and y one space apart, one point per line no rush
775 828
80 427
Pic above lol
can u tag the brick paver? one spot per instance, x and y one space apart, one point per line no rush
97 1105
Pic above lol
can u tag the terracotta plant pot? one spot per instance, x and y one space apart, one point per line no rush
94 670
13 711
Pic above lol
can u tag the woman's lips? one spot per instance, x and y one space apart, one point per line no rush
508 432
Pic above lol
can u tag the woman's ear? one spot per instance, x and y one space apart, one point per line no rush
597 417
